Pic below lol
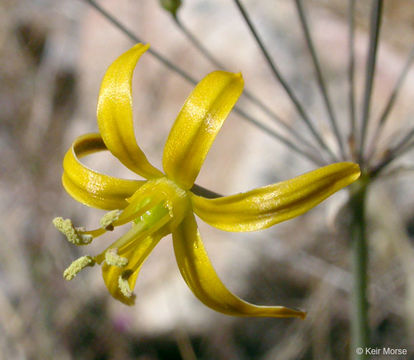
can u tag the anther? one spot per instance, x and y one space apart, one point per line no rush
112 258
72 234
124 285
77 266
107 221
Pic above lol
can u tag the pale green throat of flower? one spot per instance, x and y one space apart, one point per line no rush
164 203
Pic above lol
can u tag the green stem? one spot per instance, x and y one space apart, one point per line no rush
359 316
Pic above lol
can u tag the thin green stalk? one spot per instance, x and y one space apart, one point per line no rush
376 16
406 144
137 39
316 159
351 75
391 101
276 72
198 44
319 77
254 99
359 309
202 191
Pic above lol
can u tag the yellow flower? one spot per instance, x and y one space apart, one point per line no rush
164 203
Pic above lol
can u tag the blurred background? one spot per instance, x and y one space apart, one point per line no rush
53 57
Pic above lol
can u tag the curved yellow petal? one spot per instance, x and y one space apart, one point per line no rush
91 187
115 113
136 256
200 276
197 125
131 250
263 207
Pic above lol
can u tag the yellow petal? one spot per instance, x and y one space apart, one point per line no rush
136 255
114 113
263 207
197 125
91 187
200 276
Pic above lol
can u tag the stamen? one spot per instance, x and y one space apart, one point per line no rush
108 219
112 258
124 285
77 266
72 234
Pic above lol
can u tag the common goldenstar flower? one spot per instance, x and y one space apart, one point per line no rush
164 203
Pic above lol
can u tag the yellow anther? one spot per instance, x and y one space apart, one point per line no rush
77 266
107 221
73 235
112 258
123 284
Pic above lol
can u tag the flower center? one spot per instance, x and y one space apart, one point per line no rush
166 192
156 209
